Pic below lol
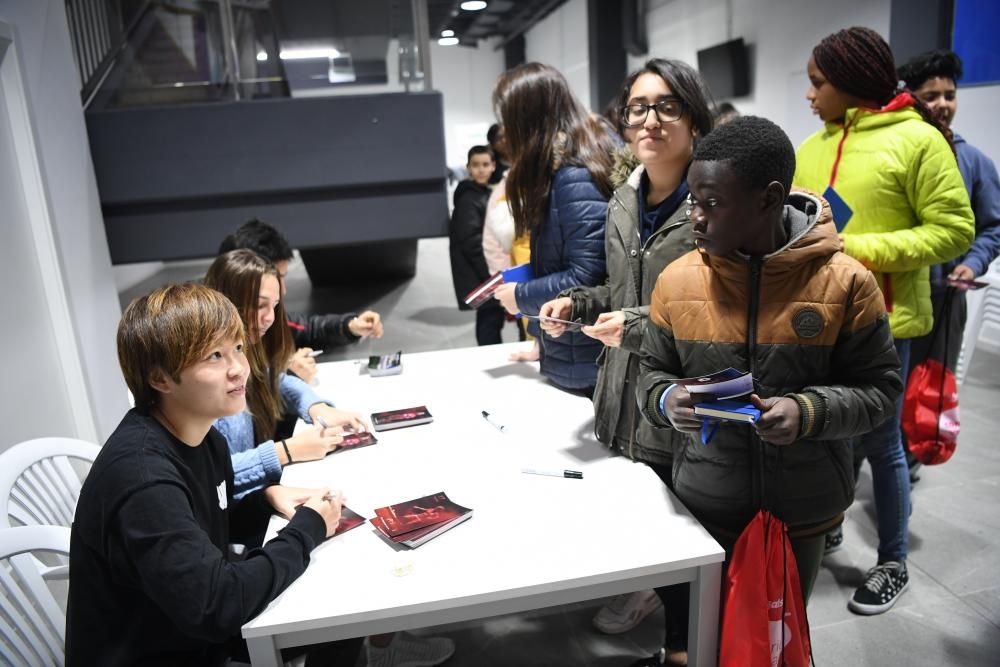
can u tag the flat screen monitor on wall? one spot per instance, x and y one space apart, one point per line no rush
726 69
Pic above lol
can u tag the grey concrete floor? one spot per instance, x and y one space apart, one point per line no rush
949 616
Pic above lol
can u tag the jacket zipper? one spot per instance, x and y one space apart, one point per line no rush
753 306
642 252
643 246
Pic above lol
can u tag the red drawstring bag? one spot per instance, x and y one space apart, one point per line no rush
764 620
930 406
930 412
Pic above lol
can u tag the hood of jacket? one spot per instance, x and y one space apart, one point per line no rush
624 167
811 236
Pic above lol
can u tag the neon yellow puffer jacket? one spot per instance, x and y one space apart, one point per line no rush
908 205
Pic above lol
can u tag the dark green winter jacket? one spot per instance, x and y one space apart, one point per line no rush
632 271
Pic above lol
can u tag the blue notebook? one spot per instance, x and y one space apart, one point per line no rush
518 274
737 411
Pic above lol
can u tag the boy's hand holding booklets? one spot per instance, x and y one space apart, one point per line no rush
484 292
414 522
714 394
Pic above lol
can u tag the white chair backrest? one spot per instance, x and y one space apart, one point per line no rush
32 624
39 484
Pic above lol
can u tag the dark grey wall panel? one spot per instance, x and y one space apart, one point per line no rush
169 153
916 26
328 171
349 219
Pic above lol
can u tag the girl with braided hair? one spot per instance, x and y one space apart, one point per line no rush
888 170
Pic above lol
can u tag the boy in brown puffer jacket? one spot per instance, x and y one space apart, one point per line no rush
769 291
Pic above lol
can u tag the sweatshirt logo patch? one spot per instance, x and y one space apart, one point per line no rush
223 496
807 323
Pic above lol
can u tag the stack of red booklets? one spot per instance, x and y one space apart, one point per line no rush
414 522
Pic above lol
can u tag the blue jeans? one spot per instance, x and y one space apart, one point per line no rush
890 476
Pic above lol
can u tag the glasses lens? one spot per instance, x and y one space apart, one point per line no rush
634 114
668 110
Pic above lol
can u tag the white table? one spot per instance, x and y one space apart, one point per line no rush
533 541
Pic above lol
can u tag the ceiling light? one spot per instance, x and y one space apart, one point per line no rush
309 54
448 41
473 5
447 33
262 56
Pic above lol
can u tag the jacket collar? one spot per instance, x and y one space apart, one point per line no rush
899 108
812 235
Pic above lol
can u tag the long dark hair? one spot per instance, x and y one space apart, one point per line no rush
686 85
238 274
538 110
858 62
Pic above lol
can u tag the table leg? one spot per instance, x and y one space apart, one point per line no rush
263 652
703 630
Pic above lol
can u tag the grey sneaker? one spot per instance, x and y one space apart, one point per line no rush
624 612
406 650
883 585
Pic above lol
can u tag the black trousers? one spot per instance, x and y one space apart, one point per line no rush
490 318
808 554
341 653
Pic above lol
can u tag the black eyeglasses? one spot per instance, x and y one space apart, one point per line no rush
668 110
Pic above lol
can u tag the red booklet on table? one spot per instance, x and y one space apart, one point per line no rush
385 421
348 519
356 440
414 522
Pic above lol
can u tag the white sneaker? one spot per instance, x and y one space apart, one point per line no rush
406 650
624 612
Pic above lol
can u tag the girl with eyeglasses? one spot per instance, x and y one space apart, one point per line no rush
664 108
558 189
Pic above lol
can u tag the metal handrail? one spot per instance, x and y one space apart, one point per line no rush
104 68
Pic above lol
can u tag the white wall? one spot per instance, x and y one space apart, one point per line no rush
38 328
465 77
66 179
975 119
781 36
560 40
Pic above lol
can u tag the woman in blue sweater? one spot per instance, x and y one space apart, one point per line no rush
253 284
558 189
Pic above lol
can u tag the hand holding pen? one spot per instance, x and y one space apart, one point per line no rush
303 364
327 503
309 444
337 419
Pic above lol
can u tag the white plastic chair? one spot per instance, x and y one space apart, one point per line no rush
983 318
39 484
32 623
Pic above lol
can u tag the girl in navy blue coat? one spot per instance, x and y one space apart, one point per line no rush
558 189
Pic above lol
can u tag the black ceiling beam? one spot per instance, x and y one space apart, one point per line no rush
606 52
527 21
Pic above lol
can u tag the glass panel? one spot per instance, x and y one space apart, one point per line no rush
198 51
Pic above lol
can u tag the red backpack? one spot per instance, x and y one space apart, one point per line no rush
764 620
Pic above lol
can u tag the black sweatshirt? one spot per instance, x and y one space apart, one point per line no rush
465 231
151 581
